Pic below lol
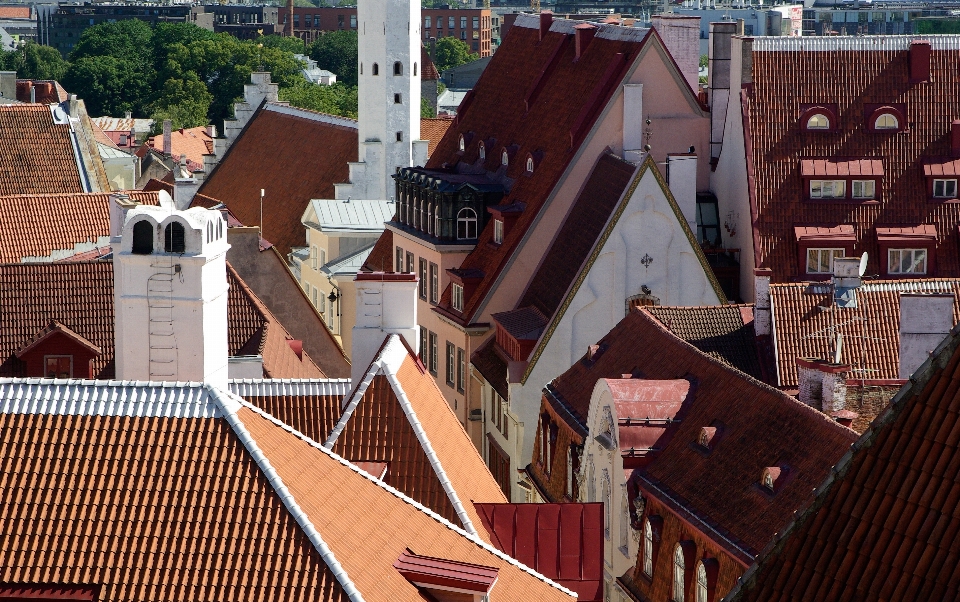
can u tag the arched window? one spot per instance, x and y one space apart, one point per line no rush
436 223
414 69
887 121
466 223
678 569
504 158
376 69
143 238
529 164
647 548
430 219
483 151
701 592
174 238
219 229
398 68
462 143
818 121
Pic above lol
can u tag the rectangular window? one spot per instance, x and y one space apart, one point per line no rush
314 296
434 283
426 22
499 465
944 189
476 22
316 20
450 22
864 189
498 413
820 261
463 22
340 21
323 303
461 369
457 297
828 189
409 262
296 20
353 21
434 354
313 257
463 35
498 231
451 349
423 279
58 366
423 345
907 261
399 260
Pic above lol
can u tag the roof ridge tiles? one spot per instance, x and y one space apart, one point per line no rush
470 536
858 43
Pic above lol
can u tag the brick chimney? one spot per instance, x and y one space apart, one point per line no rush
823 385
167 140
583 34
546 20
919 61
386 304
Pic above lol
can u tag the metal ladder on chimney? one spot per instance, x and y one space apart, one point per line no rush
163 340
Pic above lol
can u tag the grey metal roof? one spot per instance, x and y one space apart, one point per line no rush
352 215
349 263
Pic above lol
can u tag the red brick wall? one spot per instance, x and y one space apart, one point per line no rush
553 483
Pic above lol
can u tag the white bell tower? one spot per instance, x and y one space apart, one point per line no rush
389 33
170 296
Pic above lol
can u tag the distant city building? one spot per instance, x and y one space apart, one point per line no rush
869 19
68 23
315 74
244 22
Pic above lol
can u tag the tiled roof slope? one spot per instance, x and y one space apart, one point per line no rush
80 296
38 155
380 258
568 98
885 526
294 155
399 416
761 427
721 331
784 82
588 216
489 363
561 541
428 70
160 508
192 142
871 331
433 129
14 12
310 406
37 225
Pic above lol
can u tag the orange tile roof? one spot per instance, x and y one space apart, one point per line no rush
428 70
28 227
402 419
192 142
311 406
785 82
38 155
433 130
885 525
14 12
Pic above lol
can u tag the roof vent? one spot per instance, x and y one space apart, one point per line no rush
919 61
583 34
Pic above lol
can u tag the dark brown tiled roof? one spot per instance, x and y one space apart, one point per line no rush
79 295
885 526
40 224
525 323
721 331
492 366
785 83
762 427
38 155
294 159
380 258
871 331
565 97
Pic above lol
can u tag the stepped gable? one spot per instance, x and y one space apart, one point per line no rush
885 525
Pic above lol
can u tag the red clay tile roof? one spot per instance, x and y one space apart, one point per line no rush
785 82
433 130
38 225
428 70
79 295
294 155
942 168
14 12
763 427
55 328
826 233
312 407
154 184
565 98
192 142
561 541
724 332
378 427
885 526
488 362
841 167
38 155
871 331
45 91
380 258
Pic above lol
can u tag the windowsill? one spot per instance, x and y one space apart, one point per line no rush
493 245
908 276
815 277
844 201
943 201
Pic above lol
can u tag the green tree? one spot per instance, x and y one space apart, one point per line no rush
337 52
108 85
33 61
426 109
451 52
338 99
128 39
285 43
185 102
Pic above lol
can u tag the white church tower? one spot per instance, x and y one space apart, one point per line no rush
389 97
170 296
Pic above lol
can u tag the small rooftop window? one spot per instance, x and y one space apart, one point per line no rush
462 143
887 121
772 478
483 151
529 164
504 158
818 121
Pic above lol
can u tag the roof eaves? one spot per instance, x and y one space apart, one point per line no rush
470 536
647 165
229 404
298 387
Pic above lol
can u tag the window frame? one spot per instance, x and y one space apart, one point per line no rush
398 257
434 270
422 275
451 368
945 182
461 370
647 548
913 251
820 251
434 353
863 182
702 585
679 569
822 184
423 346
498 231
57 356
470 224
456 296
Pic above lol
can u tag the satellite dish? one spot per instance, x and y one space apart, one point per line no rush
863 264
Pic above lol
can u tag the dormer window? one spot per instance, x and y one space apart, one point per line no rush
768 479
885 118
462 144
828 189
456 297
818 118
498 231
849 180
818 121
529 164
504 158
466 224
483 152
944 189
771 478
887 121
706 437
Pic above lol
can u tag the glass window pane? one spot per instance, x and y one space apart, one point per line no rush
812 261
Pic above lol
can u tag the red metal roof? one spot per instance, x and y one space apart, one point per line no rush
900 233
825 233
563 542
646 411
946 168
841 168
423 570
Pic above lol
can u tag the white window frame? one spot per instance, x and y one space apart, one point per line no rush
505 158
832 251
813 123
647 548
422 285
895 125
498 231
451 364
467 217
313 296
462 144
864 189
456 297
679 567
828 189
461 361
948 188
529 164
434 352
569 471
483 151
434 282
895 259
313 256
701 590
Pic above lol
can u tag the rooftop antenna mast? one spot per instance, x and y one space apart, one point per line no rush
847 278
261 212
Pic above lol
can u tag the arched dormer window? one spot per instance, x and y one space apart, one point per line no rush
209 231
174 239
398 68
414 69
529 164
483 152
887 121
504 158
462 144
376 69
701 591
679 567
818 121
466 223
647 548
143 238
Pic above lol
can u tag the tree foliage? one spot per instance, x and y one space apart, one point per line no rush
33 61
337 52
108 85
338 99
291 45
451 52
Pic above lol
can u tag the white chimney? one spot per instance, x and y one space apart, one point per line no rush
681 36
925 320
120 204
167 137
682 180
386 304
184 189
822 385
170 296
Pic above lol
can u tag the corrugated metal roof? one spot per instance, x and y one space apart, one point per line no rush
349 263
352 215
